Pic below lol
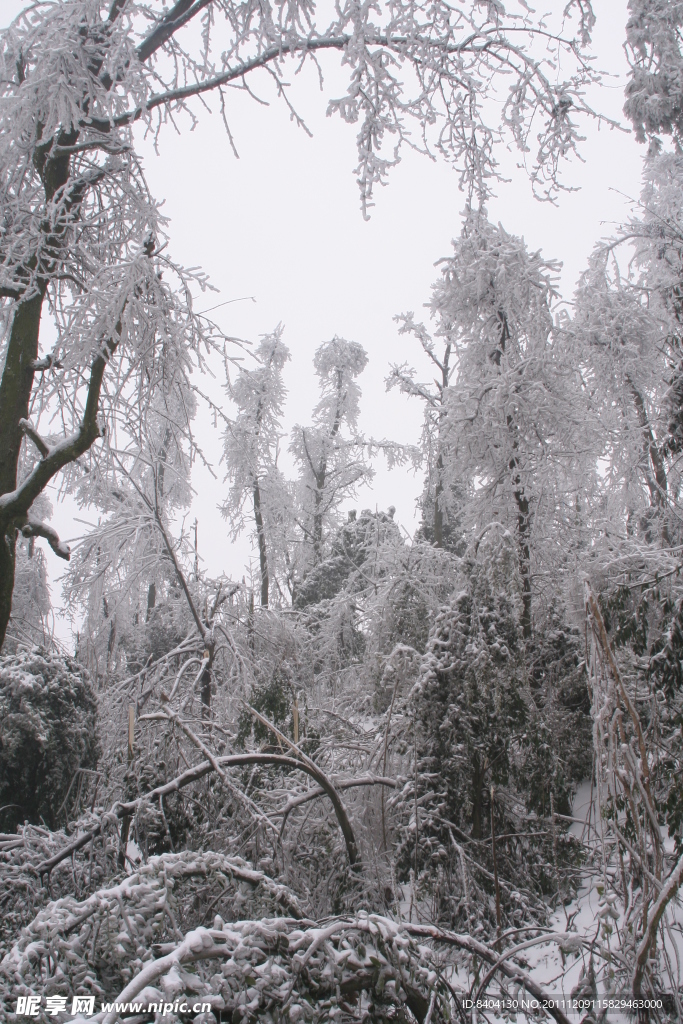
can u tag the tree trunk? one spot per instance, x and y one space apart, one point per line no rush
477 809
438 509
524 554
438 504
206 689
22 351
652 457
262 551
15 397
521 500
151 599
523 531
318 515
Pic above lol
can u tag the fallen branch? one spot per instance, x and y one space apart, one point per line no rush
171 716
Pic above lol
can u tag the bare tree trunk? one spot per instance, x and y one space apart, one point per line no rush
262 550
438 504
495 865
15 396
523 524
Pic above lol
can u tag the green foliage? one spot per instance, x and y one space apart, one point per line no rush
558 742
665 679
494 713
354 545
274 699
626 615
48 716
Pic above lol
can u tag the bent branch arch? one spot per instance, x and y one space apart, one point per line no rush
199 771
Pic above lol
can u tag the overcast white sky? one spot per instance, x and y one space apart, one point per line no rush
283 224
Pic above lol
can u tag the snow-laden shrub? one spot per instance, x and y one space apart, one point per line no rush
155 936
48 717
99 944
493 756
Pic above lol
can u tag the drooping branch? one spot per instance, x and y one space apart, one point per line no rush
490 956
318 791
199 771
312 769
170 716
309 945
592 605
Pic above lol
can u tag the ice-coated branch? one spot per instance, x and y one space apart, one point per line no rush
46 363
471 945
179 15
312 769
671 887
313 794
170 716
203 632
199 771
386 943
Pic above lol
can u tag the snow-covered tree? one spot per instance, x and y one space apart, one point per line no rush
439 504
251 449
654 93
83 241
48 712
121 577
500 740
508 406
330 455
619 341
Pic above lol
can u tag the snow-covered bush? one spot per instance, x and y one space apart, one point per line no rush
489 767
48 716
